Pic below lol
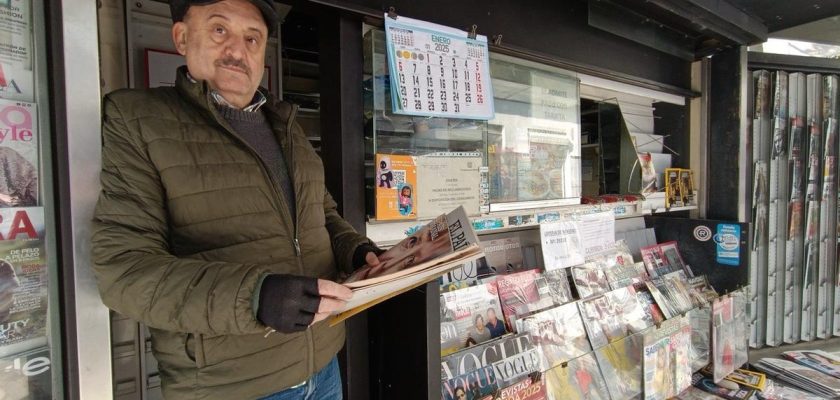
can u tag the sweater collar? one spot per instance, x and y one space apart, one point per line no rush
200 91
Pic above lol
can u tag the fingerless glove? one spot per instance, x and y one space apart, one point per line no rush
361 252
288 303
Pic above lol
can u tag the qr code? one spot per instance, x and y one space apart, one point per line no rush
399 178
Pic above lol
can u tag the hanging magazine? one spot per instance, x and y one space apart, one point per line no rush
558 332
470 316
579 379
19 161
621 364
519 294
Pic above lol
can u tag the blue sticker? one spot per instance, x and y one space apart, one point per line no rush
728 243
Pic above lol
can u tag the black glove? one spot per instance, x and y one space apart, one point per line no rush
288 303
360 253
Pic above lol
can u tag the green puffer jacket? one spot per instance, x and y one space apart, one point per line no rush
187 224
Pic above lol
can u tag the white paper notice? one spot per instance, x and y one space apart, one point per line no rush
597 232
562 245
447 180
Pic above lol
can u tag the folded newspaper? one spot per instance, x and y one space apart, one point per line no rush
435 249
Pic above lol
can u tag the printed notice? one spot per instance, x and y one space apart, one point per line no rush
597 232
562 245
446 181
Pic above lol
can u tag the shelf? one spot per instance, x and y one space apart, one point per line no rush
667 210
589 146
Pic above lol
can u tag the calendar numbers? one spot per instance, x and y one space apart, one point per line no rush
438 73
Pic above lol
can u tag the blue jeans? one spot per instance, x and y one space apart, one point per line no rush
324 385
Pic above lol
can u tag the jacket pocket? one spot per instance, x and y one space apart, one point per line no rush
194 349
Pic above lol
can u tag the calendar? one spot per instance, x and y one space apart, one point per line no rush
437 71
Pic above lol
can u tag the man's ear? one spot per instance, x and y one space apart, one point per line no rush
179 37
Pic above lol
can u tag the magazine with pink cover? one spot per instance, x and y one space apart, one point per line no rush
519 293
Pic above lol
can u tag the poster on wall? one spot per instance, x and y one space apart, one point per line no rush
437 70
23 279
396 187
447 180
18 154
162 64
16 73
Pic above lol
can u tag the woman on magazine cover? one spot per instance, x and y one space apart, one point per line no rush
479 332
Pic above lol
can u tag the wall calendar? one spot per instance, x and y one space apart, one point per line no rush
438 71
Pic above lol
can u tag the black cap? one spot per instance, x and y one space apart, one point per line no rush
179 10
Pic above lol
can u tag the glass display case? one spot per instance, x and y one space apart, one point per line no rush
528 156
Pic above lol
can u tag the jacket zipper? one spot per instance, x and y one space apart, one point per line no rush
284 207
310 359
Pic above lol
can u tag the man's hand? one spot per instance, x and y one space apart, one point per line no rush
333 297
366 254
371 259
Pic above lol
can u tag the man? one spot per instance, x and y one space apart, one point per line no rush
214 227
494 325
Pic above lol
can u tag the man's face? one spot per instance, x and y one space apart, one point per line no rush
224 43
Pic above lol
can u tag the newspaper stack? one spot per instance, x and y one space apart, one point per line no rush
802 377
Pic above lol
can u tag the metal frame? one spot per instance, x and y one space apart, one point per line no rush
76 128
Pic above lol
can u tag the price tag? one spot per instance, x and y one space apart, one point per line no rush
438 71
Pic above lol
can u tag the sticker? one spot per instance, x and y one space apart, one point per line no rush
702 233
728 243
485 224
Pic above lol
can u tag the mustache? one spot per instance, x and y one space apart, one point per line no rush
233 62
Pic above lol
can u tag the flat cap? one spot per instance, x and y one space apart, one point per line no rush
179 10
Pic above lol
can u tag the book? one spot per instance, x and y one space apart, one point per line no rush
621 365
396 187
19 150
442 245
558 332
519 293
512 358
579 379
470 316
589 279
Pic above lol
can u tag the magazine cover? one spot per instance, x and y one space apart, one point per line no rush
700 320
680 350
632 312
445 235
623 275
511 357
519 294
658 373
464 276
743 377
664 258
819 360
621 364
602 321
396 187
649 305
740 321
723 338
19 154
800 376
580 379
678 290
470 316
526 389
554 286
503 255
648 173
673 189
474 385
23 293
708 385
658 289
558 332
589 279
695 393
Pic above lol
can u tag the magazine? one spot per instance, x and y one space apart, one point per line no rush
634 317
667 369
624 275
23 295
800 376
470 316
778 391
602 322
19 149
554 286
648 173
743 377
700 349
819 360
526 389
695 393
558 332
589 279
511 357
474 385
735 393
519 294
466 275
503 255
621 364
660 293
579 379
649 305
444 244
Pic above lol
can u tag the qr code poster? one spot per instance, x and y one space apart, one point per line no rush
396 186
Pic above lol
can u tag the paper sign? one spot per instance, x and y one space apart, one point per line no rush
597 232
448 180
562 245
437 71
